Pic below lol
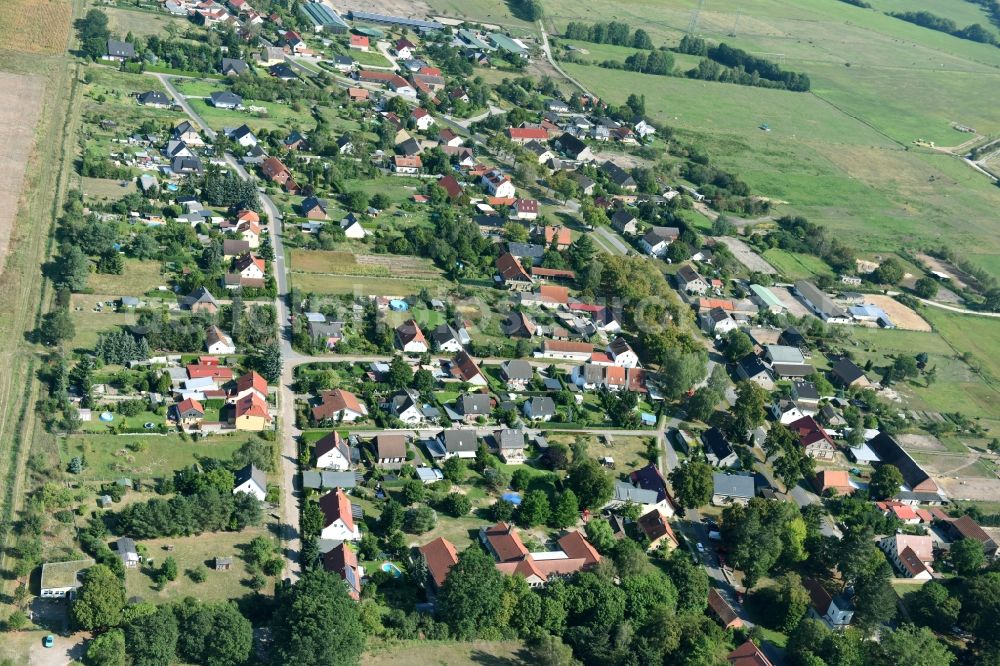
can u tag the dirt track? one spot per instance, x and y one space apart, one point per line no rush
20 104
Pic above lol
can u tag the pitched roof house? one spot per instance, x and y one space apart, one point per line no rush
410 339
440 556
342 560
339 405
333 452
338 517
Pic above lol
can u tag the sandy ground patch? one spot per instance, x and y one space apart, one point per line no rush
902 316
407 8
920 442
935 264
20 105
746 256
981 490
794 305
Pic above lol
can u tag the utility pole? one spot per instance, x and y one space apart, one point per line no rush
693 26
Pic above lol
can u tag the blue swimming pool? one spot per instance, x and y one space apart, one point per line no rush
391 568
513 498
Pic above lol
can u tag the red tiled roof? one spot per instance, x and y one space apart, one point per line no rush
336 401
451 186
464 367
808 431
217 372
441 557
568 347
575 545
339 560
359 40
539 271
553 294
409 331
505 542
252 405
251 380
509 268
559 233
723 610
748 654
334 506
188 404
527 133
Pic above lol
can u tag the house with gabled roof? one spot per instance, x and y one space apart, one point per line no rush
457 443
390 450
510 445
748 654
451 187
655 526
814 440
333 452
516 373
912 555
689 281
251 413
718 450
439 557
189 412
890 452
410 339
342 561
656 240
251 480
618 176
511 273
836 611
339 405
338 517
465 369
723 610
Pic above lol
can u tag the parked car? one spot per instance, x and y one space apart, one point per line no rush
49 641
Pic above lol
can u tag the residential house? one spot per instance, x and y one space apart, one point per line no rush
473 406
718 451
405 405
342 561
833 482
251 480
406 166
539 408
448 139
836 612
234 67
526 210
217 342
127 552
655 526
751 368
517 374
188 134
340 406
912 555
510 445
251 413
847 374
723 610
249 384
422 119
276 172
573 148
814 440
525 135
718 321
451 186
61 580
326 333
498 184
689 281
552 296
189 412
338 517
748 654
410 339
439 557
333 452
512 274
154 99
518 325
624 222
352 228
544 154
731 489
458 443
446 339
249 267
647 488
359 42
234 247
404 49
622 353
313 208
119 51
390 450
465 369
226 100
294 141
656 240
618 176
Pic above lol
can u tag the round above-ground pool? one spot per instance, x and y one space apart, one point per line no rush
107 417
391 568
513 498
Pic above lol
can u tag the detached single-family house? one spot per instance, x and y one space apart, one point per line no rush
753 369
422 119
234 67
622 353
511 273
517 374
439 556
405 405
499 184
539 408
912 555
473 406
465 369
313 208
458 443
226 100
390 450
154 99
406 165
723 610
127 552
446 339
61 580
342 561
338 517
119 51
624 222
655 526
573 148
835 611
657 239
339 405
189 412
847 374
731 489
333 452
251 480
718 450
814 440
618 176
218 343
410 339
510 445
251 413
689 281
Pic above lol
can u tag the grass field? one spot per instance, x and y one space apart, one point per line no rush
106 188
365 286
90 324
122 21
138 278
199 87
795 265
373 58
278 117
191 552
108 456
445 653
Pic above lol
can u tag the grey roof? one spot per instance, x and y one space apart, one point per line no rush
804 390
403 400
847 371
444 334
186 165
235 64
201 295
226 98
327 480
542 406
249 472
456 441
517 369
751 365
154 97
733 485
526 250
509 439
716 442
125 545
475 404
784 354
121 49
793 369
625 492
242 131
657 234
820 301
618 175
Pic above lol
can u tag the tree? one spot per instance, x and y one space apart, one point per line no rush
874 598
791 602
213 634
646 592
926 287
73 268
151 640
315 623
502 510
889 272
57 326
738 345
456 504
100 600
932 606
548 650
534 509
268 363
791 463
692 483
600 535
690 580
413 491
423 381
454 469
903 367
107 649
419 520
94 33
910 645
967 556
566 511
592 485
748 412
680 371
400 373
470 601
885 482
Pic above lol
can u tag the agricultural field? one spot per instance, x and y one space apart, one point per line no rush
36 26
21 103
110 457
328 272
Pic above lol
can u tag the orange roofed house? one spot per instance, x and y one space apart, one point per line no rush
575 554
250 413
275 171
723 610
439 556
748 654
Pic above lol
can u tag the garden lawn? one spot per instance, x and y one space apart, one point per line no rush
138 277
796 265
108 458
190 552
278 116
443 653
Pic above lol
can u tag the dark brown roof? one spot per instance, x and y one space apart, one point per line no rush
722 609
390 446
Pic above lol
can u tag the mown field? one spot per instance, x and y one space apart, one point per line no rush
445 653
842 155
122 21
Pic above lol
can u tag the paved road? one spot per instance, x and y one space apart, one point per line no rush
609 240
952 308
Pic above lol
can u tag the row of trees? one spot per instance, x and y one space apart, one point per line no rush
974 32
612 32
730 65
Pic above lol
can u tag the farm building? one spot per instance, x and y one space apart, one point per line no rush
323 18
397 21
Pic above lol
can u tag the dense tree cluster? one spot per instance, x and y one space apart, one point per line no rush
974 32
93 32
119 347
613 32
